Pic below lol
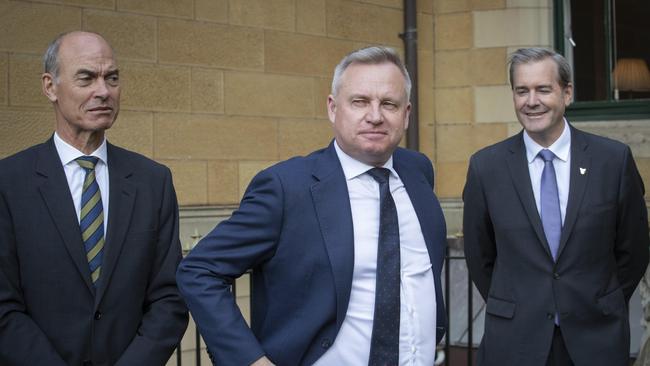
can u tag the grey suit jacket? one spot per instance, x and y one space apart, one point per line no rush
603 253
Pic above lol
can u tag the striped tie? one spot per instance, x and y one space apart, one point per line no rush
91 217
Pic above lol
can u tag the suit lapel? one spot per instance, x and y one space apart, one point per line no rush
580 162
332 205
121 201
518 166
57 197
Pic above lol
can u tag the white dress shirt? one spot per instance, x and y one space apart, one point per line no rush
76 174
417 339
562 164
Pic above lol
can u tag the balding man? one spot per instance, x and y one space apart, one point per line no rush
88 231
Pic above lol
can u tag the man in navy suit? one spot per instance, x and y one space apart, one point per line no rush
556 230
309 228
88 231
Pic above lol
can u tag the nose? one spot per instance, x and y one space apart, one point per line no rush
374 114
532 99
101 89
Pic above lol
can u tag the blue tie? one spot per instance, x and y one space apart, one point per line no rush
384 343
91 218
550 203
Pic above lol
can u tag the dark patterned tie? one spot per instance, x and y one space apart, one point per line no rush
550 203
92 217
384 344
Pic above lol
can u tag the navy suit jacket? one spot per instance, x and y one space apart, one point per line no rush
294 229
602 255
50 313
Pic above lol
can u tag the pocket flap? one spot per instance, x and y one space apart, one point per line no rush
611 302
502 308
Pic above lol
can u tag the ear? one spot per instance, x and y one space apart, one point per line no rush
407 115
568 94
49 86
331 107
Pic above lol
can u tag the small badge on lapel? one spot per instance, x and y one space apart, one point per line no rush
583 171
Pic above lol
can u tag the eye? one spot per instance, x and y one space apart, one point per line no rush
545 90
359 102
113 80
389 106
521 92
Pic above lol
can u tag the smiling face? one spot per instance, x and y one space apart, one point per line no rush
86 92
370 111
540 100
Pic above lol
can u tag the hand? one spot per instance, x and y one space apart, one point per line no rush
263 362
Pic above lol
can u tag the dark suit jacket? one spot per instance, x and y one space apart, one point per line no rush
603 253
294 228
50 313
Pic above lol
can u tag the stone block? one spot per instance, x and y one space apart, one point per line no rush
301 137
133 131
256 94
452 68
248 170
488 66
456 143
133 37
170 8
426 6
454 105
212 10
395 4
635 134
643 164
488 4
451 6
364 22
512 27
427 105
190 181
302 54
450 179
210 44
426 31
155 88
25 88
207 90
310 17
274 14
223 182
425 69
98 4
322 89
494 104
24 128
209 137
453 31
428 139
528 3
4 79
19 20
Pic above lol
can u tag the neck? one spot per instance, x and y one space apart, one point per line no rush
84 141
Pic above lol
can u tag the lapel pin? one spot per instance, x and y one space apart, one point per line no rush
583 171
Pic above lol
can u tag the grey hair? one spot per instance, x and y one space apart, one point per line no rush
51 56
371 56
535 54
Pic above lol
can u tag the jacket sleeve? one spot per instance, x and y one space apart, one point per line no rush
632 243
165 315
247 239
480 245
21 340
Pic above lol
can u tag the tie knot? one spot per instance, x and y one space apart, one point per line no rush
87 162
547 155
380 174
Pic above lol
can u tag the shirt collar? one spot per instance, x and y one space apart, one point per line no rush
353 168
561 147
68 153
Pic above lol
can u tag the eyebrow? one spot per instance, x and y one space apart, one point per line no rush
95 73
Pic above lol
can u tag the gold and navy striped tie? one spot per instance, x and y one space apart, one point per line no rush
92 217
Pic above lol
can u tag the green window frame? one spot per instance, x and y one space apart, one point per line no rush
609 109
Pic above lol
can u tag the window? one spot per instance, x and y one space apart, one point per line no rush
608 44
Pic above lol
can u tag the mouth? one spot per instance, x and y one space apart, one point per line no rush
101 109
535 114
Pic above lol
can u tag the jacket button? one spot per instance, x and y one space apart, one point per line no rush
326 343
87 363
98 315
556 276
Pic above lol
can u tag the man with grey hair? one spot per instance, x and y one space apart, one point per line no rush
88 231
345 245
556 230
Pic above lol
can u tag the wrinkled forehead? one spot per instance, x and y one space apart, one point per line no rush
85 50
384 77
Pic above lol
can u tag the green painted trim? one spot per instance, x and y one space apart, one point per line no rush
609 110
609 49
558 26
